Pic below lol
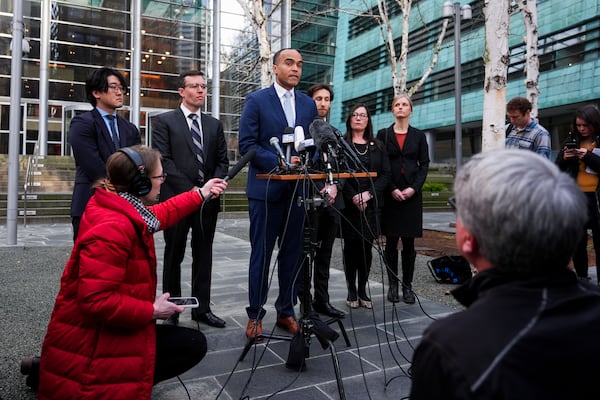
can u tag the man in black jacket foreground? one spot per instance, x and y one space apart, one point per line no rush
531 328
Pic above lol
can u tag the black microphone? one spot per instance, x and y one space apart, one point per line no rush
323 134
246 158
275 143
349 151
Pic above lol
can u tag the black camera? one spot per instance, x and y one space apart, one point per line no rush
572 141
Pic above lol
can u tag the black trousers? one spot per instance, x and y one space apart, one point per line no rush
202 224
178 349
357 263
325 223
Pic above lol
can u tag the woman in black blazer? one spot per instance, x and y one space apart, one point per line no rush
363 199
402 219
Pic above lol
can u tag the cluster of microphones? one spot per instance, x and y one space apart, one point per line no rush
332 148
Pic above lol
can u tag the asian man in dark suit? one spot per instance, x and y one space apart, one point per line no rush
273 209
194 150
94 135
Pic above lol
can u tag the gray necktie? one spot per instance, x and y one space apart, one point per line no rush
287 109
197 139
113 131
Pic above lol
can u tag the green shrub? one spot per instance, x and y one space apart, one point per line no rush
434 187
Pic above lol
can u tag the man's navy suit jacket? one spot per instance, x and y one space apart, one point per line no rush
92 145
262 119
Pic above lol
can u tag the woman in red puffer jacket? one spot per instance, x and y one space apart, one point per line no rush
103 340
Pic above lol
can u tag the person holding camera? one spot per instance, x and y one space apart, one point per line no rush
102 339
580 157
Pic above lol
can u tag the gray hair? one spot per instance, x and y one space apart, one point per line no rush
526 215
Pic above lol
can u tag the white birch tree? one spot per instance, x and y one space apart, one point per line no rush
496 59
259 18
398 64
532 65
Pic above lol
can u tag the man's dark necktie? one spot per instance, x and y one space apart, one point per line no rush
197 139
113 131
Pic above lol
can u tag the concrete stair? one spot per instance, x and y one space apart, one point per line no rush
48 199
48 195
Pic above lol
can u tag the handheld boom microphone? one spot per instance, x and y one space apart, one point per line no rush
249 156
236 168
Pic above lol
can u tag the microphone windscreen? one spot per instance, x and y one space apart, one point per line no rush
246 158
321 132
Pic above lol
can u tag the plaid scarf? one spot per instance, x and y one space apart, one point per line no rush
148 216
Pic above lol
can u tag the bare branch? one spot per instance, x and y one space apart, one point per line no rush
434 58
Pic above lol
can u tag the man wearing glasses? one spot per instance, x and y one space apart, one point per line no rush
94 135
194 150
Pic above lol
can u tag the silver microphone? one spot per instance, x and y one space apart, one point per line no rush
275 143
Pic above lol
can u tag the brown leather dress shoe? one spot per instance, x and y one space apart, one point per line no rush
254 328
288 323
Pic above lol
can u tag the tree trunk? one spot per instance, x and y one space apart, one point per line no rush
398 64
532 66
255 12
496 59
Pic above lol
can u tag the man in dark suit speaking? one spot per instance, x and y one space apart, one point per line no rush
194 150
94 135
273 210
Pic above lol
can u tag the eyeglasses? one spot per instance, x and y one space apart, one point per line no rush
359 116
161 177
195 86
116 88
452 203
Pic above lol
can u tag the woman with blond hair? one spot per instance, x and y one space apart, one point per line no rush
407 149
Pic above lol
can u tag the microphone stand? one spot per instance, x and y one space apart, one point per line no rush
309 323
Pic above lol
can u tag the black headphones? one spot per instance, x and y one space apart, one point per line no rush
140 184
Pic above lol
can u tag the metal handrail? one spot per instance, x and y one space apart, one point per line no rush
29 179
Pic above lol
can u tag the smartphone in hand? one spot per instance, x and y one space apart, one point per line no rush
185 302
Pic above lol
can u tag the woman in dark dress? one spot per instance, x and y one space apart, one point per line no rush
362 196
402 220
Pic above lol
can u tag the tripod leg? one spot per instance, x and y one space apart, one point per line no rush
258 338
342 329
336 368
247 347
344 334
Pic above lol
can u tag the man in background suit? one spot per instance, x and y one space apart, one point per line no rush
273 209
177 135
326 220
94 135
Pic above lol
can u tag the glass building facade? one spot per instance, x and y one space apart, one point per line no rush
176 36
89 34
569 64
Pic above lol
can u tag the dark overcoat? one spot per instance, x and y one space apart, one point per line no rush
409 167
